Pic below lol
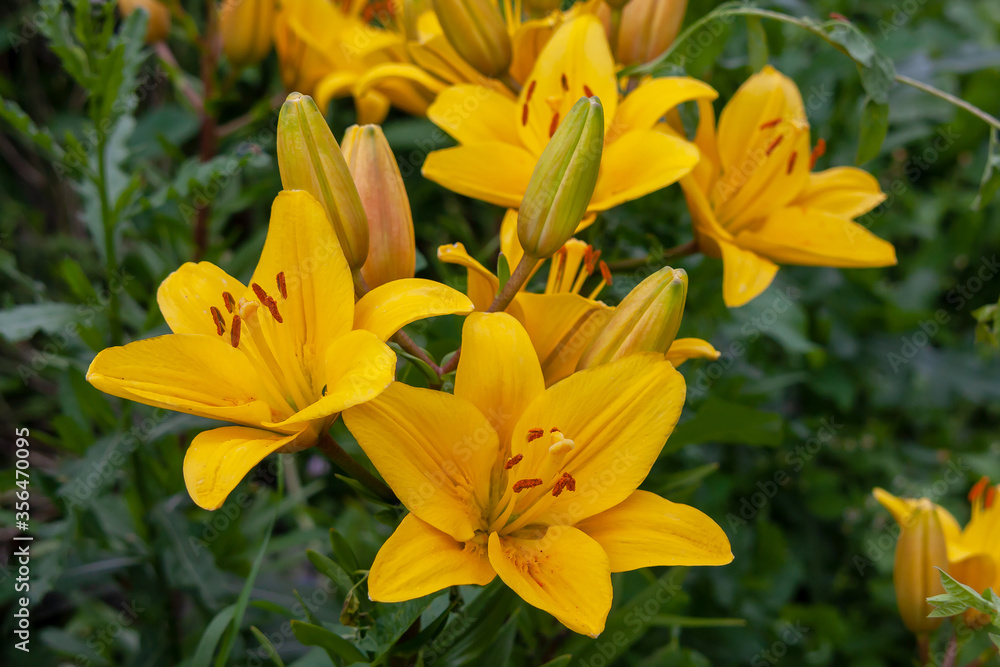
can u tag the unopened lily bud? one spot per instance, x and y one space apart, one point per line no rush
562 184
646 320
647 28
391 250
246 27
309 159
158 25
476 29
920 551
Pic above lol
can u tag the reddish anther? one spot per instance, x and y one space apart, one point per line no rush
513 461
565 82
605 272
817 152
234 334
770 123
531 90
978 488
587 91
272 306
522 484
259 291
220 324
524 114
282 288
791 161
535 433
554 125
230 302
774 144
564 483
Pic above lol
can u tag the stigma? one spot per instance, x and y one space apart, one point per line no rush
559 443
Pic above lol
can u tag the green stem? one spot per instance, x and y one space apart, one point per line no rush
108 225
957 101
358 472
681 250
616 26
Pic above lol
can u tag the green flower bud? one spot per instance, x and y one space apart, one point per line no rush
562 184
309 159
476 29
646 320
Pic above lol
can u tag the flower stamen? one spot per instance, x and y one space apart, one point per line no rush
817 152
513 461
774 144
282 288
534 433
522 484
554 125
230 302
220 324
564 483
234 335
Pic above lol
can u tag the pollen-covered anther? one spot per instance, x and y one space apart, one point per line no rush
513 461
564 483
606 273
564 82
791 161
991 495
272 306
234 334
524 114
978 488
817 152
522 484
587 91
282 287
535 433
259 291
220 324
229 301
554 125
531 90
559 443
770 123
774 143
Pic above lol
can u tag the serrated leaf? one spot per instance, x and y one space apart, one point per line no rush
331 642
964 594
26 128
874 126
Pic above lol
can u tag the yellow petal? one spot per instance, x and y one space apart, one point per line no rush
333 85
563 572
643 108
474 114
389 307
418 559
498 371
579 52
707 229
434 449
844 191
188 294
218 459
482 285
400 80
683 349
372 107
199 375
899 508
639 163
764 97
527 43
745 274
302 245
976 570
494 172
561 327
359 366
812 237
510 246
647 530
618 415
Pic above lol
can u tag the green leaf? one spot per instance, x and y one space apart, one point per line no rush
210 638
331 570
874 125
990 182
342 550
22 322
26 128
499 652
561 661
966 595
503 270
756 43
272 652
332 643
995 639
721 421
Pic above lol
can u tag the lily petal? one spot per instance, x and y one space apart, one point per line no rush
474 114
560 326
435 451
188 294
683 349
219 459
418 559
639 163
191 373
389 307
618 415
643 108
813 237
564 572
646 530
482 285
318 308
844 191
498 371
494 171
359 367
745 274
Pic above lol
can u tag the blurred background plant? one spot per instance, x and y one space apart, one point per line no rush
830 383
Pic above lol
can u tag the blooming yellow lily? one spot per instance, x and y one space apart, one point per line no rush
536 485
501 139
973 552
561 321
756 203
326 49
280 358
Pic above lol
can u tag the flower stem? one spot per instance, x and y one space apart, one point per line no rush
616 26
958 102
355 470
681 250
923 649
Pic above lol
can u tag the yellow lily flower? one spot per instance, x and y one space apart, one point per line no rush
328 49
755 201
280 358
536 485
501 139
561 321
974 554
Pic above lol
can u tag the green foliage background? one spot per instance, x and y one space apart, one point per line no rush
831 383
